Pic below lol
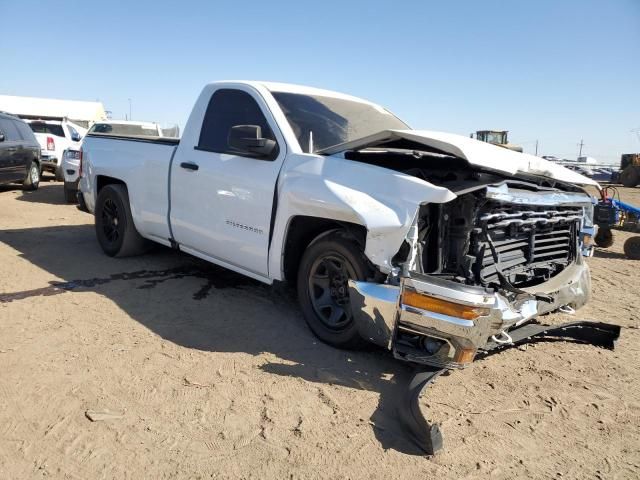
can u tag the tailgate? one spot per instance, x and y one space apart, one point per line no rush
42 139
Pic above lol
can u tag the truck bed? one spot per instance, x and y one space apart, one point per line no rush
142 163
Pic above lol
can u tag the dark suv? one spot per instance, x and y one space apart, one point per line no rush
19 153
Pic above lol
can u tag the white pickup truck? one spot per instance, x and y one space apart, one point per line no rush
430 244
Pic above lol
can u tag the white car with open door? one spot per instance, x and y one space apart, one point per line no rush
54 137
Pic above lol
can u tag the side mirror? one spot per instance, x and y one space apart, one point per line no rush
75 137
247 140
1 137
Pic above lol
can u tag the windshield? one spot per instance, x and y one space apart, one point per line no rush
330 121
124 129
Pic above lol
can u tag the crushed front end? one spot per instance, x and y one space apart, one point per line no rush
473 275
475 270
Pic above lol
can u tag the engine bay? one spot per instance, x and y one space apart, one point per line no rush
518 240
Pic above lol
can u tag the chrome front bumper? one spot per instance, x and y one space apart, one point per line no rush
433 338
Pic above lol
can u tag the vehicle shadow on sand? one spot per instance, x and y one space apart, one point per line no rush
49 192
72 254
600 253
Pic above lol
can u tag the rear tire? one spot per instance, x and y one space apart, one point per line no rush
323 293
630 177
115 229
70 194
632 248
32 180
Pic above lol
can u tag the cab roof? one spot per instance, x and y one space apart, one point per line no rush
278 87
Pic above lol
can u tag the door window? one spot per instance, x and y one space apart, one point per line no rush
25 131
9 129
228 108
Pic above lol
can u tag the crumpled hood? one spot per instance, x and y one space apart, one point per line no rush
481 154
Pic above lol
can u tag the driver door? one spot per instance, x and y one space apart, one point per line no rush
222 199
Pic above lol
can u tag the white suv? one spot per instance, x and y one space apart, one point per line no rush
54 137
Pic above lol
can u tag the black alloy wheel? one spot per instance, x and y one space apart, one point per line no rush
111 222
328 290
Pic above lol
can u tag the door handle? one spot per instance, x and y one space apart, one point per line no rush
189 166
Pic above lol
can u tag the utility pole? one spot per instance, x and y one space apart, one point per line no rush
129 108
536 147
581 144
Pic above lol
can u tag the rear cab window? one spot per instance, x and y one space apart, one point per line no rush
47 128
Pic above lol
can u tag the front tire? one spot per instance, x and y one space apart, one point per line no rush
115 229
32 180
59 174
323 294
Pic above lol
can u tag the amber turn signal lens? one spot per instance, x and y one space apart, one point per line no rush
436 305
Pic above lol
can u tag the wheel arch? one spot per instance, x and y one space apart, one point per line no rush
303 230
104 180
34 158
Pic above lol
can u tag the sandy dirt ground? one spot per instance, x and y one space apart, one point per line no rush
191 371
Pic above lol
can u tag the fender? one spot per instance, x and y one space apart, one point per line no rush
383 201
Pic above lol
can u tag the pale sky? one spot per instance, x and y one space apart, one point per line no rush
555 71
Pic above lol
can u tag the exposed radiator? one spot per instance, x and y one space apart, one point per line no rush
532 243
